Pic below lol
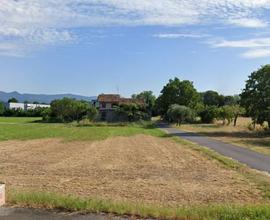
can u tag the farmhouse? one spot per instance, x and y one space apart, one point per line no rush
25 106
107 103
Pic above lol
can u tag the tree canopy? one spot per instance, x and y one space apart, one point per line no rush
68 110
149 99
211 98
177 92
14 100
256 95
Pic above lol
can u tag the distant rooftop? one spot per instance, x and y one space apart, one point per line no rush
117 99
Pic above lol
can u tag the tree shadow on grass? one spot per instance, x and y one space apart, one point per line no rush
235 134
258 142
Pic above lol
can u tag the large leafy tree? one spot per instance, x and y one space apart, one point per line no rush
68 110
212 98
177 92
256 95
149 99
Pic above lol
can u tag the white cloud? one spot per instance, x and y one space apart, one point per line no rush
43 22
249 22
258 47
247 43
179 35
257 53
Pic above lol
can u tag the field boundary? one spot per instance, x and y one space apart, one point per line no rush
51 201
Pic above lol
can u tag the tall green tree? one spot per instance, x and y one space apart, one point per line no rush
256 95
213 98
149 99
177 92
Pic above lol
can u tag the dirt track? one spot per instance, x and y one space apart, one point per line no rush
139 168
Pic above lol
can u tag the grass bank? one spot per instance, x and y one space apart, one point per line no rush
240 135
28 128
72 204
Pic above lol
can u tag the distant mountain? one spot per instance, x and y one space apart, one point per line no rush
41 98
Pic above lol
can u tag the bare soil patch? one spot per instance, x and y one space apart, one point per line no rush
136 169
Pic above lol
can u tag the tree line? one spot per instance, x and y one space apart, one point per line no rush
179 101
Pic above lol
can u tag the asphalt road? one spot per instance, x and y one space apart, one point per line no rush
32 214
250 158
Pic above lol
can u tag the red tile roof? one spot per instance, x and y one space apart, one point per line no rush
109 98
114 98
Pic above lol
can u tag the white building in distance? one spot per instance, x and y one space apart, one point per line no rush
25 106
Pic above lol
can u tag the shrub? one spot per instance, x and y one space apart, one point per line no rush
179 114
131 112
209 114
68 110
226 113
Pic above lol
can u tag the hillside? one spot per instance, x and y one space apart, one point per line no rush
42 98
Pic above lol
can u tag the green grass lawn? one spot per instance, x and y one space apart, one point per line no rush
26 128
18 120
134 211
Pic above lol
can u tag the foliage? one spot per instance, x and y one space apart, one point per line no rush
68 110
2 108
226 113
14 100
148 98
232 100
37 112
237 112
179 113
256 95
177 92
212 98
132 112
209 113
92 113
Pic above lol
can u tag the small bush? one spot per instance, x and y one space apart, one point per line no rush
180 114
209 114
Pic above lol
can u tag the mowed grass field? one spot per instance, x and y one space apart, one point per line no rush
240 135
132 169
29 128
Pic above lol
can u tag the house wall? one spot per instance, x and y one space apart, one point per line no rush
16 106
34 106
24 106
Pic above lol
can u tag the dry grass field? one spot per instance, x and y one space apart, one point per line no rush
140 168
240 135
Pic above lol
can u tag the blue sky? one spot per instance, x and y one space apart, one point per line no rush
91 46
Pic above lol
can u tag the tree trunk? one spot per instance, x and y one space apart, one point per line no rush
235 121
